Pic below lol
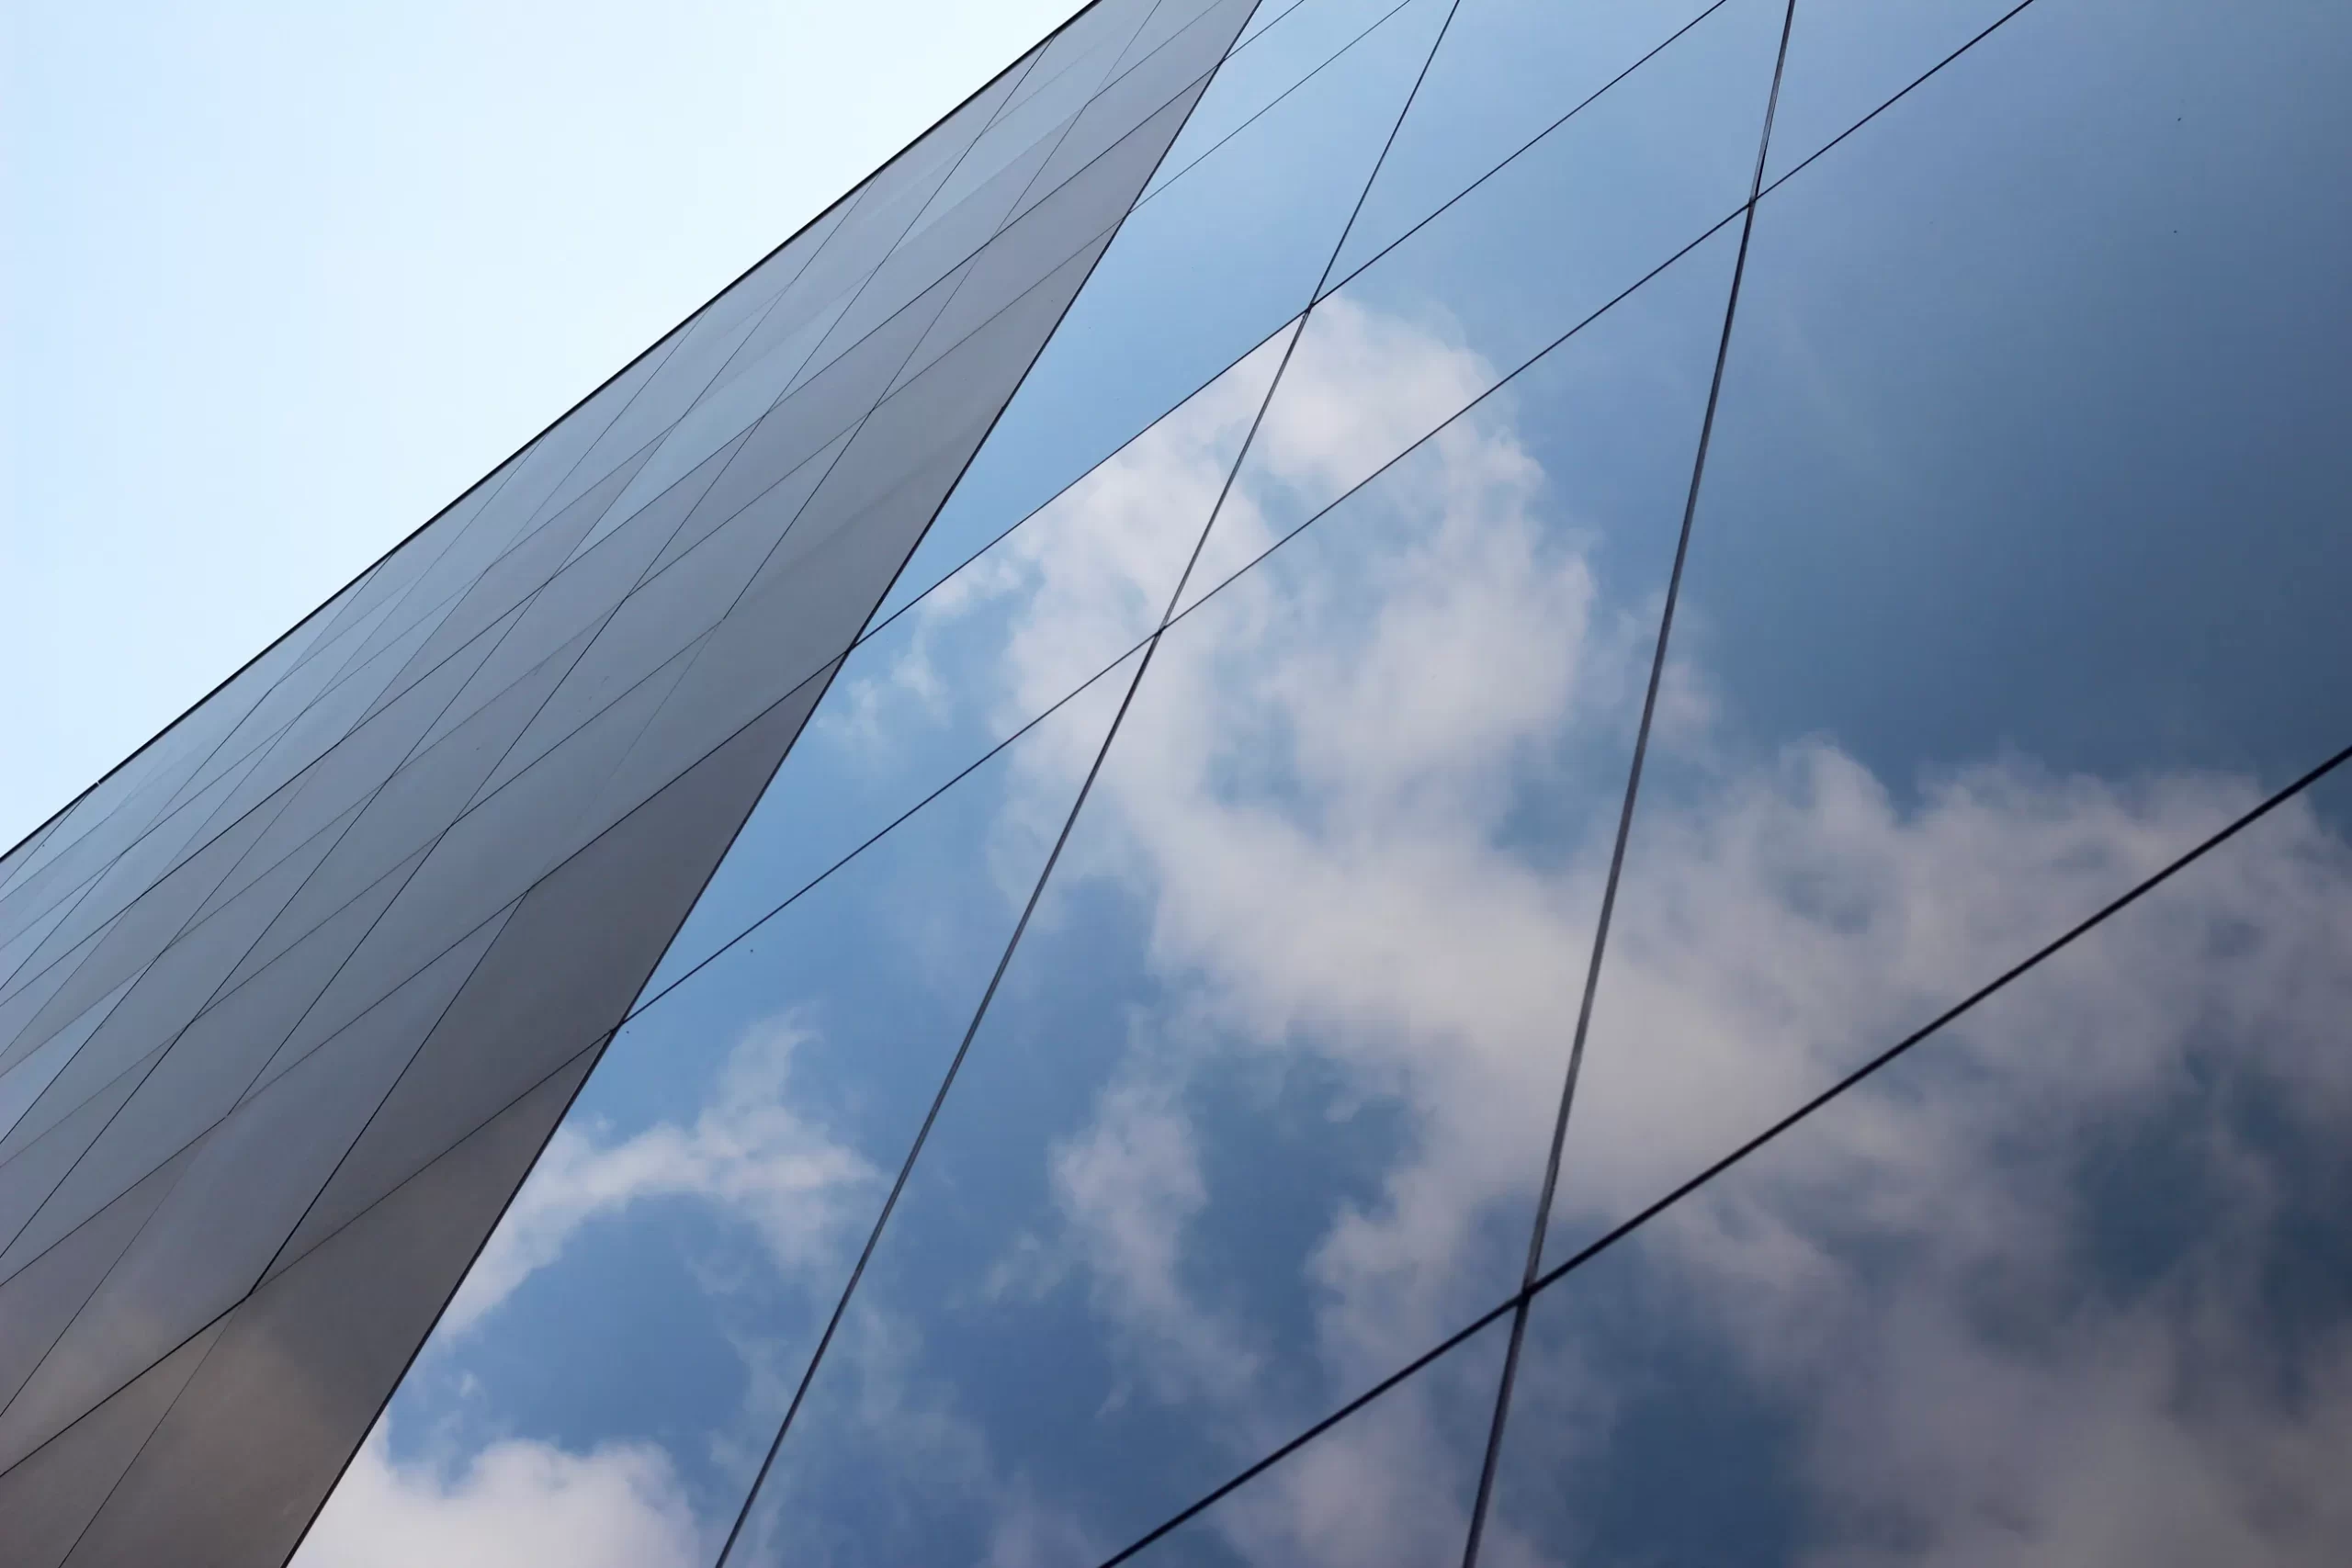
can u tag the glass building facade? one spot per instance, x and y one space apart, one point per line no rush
1368 782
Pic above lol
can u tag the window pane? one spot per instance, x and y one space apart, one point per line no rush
2014 573
2068 1283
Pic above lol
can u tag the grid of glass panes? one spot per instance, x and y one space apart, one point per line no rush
1273 1013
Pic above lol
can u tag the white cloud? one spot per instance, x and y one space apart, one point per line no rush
515 1505
1130 1186
2006 1389
750 1152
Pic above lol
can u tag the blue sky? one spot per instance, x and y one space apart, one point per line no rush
281 281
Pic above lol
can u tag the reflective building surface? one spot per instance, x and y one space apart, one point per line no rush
1368 782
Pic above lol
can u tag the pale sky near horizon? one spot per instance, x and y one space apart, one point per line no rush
282 280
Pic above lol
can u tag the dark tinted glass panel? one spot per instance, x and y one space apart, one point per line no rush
35 1166
40 1299
22 1086
297 1369
1997 598
207 1064
50 1498
232 1203
492 855
559 974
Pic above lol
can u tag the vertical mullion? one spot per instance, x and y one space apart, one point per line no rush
1524 1300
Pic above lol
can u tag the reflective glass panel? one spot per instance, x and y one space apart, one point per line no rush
1199 273
2000 594
1641 173
1260 1109
2069 1282
1079 586
692 1225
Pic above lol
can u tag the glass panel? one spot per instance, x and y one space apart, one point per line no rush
561 974
260 728
36 1070
1070 69
491 856
14 864
676 509
691 1226
524 499
593 420
206 1066
1072 591
414 808
718 419
804 605
909 268
1166 73
1198 274
2070 1282
813 414
167 992
320 726
23 1004
150 1017
2000 594
1251 80
1847 57
299 1365
511 581
356 766
673 608
303 974
47 1501
16 949
1593 207
1390 1486
147 881
177 763
39 1301
631 429
1079 217
859 245
1258 1112
246 1185
1171 19
1266 16
580 598
133 941
127 801
704 347
1507 72
980 193
35 1169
